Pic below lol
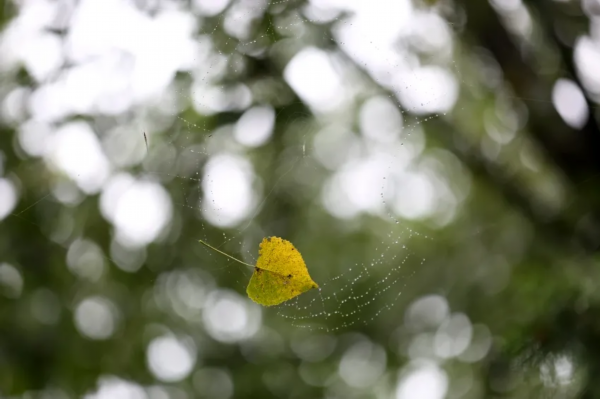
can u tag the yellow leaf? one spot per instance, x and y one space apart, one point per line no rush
280 273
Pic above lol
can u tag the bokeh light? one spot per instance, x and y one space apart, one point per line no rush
171 359
230 318
96 318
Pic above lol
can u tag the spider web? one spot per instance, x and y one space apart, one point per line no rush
350 294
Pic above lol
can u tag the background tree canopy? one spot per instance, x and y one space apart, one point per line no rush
437 164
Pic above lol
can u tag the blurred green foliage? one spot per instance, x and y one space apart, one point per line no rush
519 258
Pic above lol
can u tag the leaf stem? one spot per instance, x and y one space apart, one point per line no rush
223 253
